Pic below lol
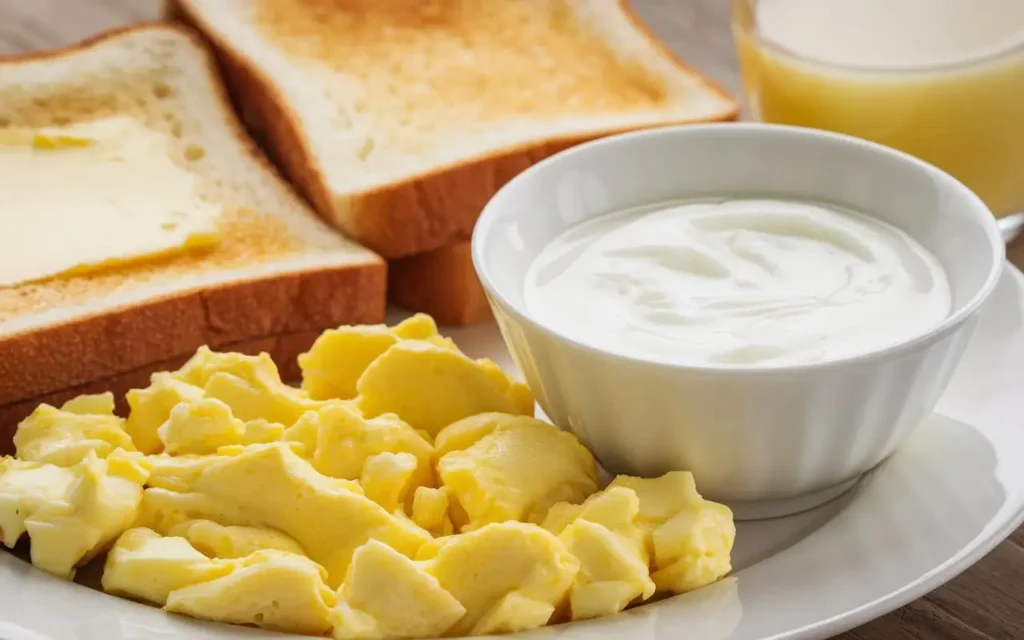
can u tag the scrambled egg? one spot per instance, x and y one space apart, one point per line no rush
250 385
501 468
207 424
177 473
338 440
431 386
25 488
332 366
386 478
76 517
271 486
150 408
604 535
387 595
689 538
218 541
509 576
270 588
146 566
65 436
430 511
405 491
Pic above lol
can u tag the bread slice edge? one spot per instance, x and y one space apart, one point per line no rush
415 214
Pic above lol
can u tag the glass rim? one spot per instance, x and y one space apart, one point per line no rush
1014 47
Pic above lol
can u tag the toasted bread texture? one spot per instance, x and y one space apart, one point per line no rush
442 283
398 119
278 276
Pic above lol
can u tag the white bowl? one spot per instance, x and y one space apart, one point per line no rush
766 441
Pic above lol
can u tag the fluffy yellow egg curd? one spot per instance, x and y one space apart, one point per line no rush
404 491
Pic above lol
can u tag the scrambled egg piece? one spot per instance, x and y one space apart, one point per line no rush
421 327
693 548
386 478
271 589
65 436
250 385
660 498
96 404
144 565
332 366
334 363
430 386
205 425
73 519
603 534
260 431
689 538
151 407
516 470
166 511
464 433
177 473
218 541
509 576
271 486
387 595
202 426
25 487
430 511
338 440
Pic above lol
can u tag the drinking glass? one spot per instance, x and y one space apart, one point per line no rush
965 116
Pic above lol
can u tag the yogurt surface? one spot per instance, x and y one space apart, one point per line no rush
738 282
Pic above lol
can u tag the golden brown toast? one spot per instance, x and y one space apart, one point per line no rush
278 276
399 119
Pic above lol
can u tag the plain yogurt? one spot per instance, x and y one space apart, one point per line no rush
738 282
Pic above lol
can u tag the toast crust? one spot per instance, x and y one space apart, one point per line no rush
74 353
413 215
442 283
133 339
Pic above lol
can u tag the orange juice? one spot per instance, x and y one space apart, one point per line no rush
940 79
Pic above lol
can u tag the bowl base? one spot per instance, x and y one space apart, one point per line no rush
766 509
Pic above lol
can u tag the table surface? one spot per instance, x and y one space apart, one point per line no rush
984 603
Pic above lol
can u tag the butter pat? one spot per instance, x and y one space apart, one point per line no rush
95 195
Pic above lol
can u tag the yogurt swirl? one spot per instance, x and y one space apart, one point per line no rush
738 282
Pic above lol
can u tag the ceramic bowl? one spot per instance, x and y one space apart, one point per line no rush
767 441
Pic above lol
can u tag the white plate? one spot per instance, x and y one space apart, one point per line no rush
945 499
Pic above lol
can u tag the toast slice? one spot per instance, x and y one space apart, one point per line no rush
442 283
277 276
398 119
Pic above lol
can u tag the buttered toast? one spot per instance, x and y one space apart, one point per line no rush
399 119
105 308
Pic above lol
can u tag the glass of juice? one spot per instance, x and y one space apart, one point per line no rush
940 79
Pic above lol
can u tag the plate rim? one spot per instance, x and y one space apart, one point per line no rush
973 552
970 554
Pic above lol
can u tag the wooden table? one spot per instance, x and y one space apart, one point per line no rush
985 603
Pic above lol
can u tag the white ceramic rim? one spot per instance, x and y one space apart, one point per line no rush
890 602
980 212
